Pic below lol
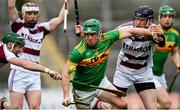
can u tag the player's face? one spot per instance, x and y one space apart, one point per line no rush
166 21
139 22
18 48
91 39
31 17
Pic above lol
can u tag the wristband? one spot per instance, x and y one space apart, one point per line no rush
46 70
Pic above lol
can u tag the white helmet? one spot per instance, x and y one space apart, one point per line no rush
29 6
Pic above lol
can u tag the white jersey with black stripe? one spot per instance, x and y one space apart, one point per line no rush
136 53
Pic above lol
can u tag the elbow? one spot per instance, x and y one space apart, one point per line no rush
11 6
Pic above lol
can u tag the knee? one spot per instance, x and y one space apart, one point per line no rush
122 104
16 106
167 104
35 107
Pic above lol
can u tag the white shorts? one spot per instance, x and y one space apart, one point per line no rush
20 81
87 97
160 81
124 80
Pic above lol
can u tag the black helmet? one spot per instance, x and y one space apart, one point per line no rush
144 12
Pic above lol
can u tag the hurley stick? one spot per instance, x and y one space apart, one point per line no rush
117 92
77 16
65 16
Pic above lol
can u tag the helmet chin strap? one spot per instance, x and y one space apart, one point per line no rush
12 47
149 22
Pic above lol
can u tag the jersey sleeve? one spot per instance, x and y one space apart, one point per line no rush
46 25
113 35
8 54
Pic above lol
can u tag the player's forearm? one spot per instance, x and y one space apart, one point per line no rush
66 81
141 31
28 64
129 32
55 22
11 3
175 57
12 11
35 67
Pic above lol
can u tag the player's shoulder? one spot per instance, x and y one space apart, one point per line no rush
126 24
174 31
80 48
1 44
42 24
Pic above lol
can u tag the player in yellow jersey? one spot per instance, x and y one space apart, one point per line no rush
166 20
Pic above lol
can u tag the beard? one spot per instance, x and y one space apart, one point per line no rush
92 46
31 24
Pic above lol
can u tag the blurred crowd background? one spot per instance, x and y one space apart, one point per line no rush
58 44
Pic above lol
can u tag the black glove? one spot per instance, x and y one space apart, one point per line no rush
161 43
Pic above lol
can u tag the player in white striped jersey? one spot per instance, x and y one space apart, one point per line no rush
25 84
134 65
13 44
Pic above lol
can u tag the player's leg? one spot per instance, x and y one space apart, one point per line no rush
16 100
134 102
175 96
33 94
98 104
145 87
147 93
84 97
110 98
33 99
163 97
17 87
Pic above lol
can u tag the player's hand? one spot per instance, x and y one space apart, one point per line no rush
155 32
66 101
55 75
157 35
79 30
178 70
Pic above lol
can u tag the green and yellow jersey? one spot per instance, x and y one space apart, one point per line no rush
161 53
91 63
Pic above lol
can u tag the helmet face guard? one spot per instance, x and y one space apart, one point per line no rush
91 26
167 10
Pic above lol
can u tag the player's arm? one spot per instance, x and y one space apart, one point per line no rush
153 32
176 58
55 22
129 32
34 67
68 69
12 11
